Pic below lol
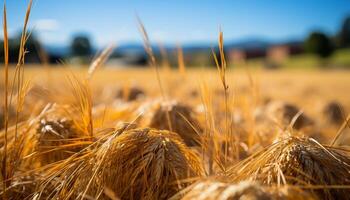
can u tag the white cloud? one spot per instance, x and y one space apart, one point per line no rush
47 25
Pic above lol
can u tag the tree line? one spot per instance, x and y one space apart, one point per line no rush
80 47
322 45
317 43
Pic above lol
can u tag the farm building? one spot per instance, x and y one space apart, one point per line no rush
240 56
280 53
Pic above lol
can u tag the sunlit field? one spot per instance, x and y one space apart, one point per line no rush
170 131
74 131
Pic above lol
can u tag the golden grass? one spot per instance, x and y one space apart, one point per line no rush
180 61
134 164
4 115
100 60
222 73
86 140
288 115
62 154
182 120
9 166
211 190
299 161
57 138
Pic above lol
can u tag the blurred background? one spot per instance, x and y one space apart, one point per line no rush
270 34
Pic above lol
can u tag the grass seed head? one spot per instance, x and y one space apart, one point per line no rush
56 138
298 161
138 163
182 121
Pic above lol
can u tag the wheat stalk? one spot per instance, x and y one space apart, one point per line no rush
6 106
180 60
149 51
19 70
221 67
100 60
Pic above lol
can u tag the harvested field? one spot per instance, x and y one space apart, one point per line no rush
56 145
102 132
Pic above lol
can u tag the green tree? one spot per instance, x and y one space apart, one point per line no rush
319 43
344 34
81 46
32 47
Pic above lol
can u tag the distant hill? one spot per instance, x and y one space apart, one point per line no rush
241 44
137 48
134 52
253 43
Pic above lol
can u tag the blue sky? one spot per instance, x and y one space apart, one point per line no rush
177 21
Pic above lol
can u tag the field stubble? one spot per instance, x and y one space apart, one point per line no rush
272 150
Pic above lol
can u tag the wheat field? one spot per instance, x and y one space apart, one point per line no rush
98 132
142 144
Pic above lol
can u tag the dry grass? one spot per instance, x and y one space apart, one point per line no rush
299 161
57 139
182 119
4 115
134 164
81 140
62 160
288 115
211 190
